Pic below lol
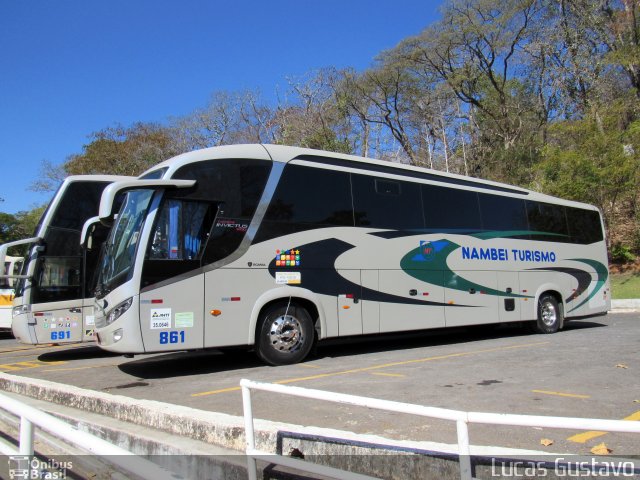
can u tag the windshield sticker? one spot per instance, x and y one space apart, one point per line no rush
184 319
288 278
288 258
160 318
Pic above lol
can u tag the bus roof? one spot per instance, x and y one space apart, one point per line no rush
286 154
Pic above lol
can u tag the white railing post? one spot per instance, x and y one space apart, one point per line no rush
26 437
249 432
464 452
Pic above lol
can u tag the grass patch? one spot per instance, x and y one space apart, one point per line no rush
625 285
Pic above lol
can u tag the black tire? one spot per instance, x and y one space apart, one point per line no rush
549 315
285 334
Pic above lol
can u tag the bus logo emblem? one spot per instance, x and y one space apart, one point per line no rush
427 251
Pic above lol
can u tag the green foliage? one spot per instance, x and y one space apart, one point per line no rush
19 226
622 254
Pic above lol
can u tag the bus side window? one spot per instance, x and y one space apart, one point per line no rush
384 203
307 198
547 222
181 230
501 213
584 226
451 209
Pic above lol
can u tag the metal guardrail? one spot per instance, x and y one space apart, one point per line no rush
462 419
31 417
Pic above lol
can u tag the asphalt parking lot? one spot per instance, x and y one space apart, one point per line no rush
588 370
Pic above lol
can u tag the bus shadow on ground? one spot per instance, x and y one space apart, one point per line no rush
181 364
6 335
77 353
433 338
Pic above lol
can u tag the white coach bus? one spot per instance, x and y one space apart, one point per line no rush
53 299
276 247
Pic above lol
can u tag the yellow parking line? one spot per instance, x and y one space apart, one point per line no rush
33 347
378 367
80 368
9 367
28 364
561 394
586 436
388 374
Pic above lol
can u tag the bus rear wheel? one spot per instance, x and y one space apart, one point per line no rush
549 315
285 335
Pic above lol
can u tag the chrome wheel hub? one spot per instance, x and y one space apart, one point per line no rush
285 334
548 314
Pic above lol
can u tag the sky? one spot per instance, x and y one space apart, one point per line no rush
72 67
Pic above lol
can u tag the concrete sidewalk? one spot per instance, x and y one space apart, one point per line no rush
626 305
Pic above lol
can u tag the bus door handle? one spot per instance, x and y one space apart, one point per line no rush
75 310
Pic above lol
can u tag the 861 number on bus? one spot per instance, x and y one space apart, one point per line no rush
171 337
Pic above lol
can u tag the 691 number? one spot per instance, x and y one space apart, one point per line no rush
171 337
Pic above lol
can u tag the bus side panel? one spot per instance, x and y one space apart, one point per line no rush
509 307
397 316
229 298
370 308
470 305
171 317
350 304
59 322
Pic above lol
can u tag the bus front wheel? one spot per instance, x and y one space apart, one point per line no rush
285 334
549 315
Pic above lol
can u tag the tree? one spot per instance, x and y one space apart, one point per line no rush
311 117
598 161
19 226
114 150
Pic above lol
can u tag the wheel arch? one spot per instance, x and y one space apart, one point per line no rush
303 297
553 291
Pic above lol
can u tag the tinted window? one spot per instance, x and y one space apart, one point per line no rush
450 209
231 187
384 203
307 198
547 222
236 183
79 203
584 225
62 242
502 213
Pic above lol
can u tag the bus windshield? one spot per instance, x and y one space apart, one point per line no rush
119 252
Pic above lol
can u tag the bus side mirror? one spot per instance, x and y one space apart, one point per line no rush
86 237
94 233
3 254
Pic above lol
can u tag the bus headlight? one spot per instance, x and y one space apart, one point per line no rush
20 310
117 311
